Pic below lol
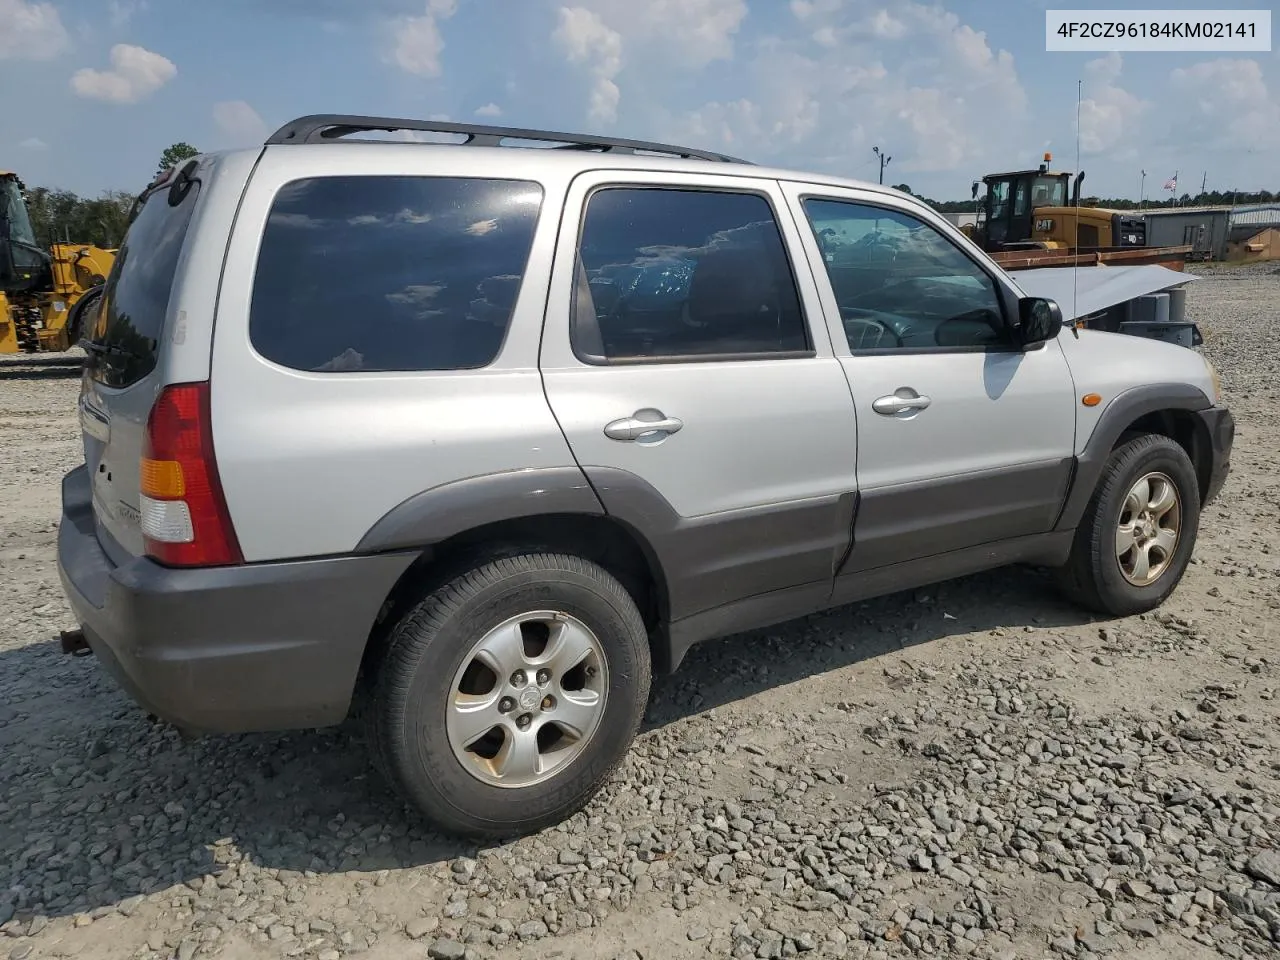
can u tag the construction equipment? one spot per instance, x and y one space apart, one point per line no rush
45 296
1034 218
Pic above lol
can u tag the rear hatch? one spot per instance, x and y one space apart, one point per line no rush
123 373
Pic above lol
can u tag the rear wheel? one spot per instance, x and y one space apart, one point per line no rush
1138 531
508 695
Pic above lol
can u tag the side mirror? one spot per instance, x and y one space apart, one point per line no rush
1039 320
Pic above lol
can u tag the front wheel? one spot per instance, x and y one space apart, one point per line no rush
1138 531
508 695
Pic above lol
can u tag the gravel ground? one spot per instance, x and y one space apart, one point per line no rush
975 769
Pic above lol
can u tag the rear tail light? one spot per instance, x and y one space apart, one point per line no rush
185 522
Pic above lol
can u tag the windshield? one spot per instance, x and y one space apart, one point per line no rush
20 257
1049 192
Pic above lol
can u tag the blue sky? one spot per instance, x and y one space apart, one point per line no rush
93 90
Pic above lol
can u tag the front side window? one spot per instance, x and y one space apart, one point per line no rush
369 273
668 274
901 284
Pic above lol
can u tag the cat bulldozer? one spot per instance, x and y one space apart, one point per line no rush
45 295
1032 218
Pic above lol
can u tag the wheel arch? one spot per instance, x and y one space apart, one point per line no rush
1169 409
472 521
1184 428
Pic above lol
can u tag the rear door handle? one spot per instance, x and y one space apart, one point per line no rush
896 404
633 428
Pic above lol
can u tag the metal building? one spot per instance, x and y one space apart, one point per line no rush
961 219
1204 229
1214 233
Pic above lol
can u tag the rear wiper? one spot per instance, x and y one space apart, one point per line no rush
103 349
102 353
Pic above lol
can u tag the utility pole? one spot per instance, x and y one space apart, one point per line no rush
884 161
1142 190
1204 180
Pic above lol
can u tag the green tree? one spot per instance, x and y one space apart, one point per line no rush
904 188
60 215
174 155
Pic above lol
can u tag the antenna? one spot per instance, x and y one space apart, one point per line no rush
1075 242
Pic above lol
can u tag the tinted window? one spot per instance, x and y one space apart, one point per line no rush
130 323
900 283
391 273
679 273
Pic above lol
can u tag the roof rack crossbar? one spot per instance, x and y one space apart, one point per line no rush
328 128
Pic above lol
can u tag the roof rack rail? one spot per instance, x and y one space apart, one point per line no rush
326 128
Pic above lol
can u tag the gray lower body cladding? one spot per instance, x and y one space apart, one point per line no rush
917 520
269 646
279 645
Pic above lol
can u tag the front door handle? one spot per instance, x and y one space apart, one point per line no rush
897 403
637 426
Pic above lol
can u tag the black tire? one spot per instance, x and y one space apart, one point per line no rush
412 684
80 311
1092 575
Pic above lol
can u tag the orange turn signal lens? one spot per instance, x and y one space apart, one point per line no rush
162 479
1091 399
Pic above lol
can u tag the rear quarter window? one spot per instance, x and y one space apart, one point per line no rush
135 300
367 273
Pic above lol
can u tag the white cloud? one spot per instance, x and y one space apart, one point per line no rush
30 31
239 123
676 35
417 40
33 143
585 38
811 9
695 32
911 78
122 11
489 110
1109 114
135 74
1227 101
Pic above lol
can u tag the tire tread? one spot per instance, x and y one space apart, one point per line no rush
1080 578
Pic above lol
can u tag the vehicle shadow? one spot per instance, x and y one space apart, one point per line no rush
47 372
97 804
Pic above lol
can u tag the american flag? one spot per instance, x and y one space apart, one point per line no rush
1171 184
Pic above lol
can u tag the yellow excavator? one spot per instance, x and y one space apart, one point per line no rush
45 296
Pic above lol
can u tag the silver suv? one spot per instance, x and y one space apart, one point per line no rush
486 432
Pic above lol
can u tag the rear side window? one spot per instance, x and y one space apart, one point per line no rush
669 274
365 273
126 336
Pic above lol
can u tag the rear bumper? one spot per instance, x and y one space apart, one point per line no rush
1222 432
269 646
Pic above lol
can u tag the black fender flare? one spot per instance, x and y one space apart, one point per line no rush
442 512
